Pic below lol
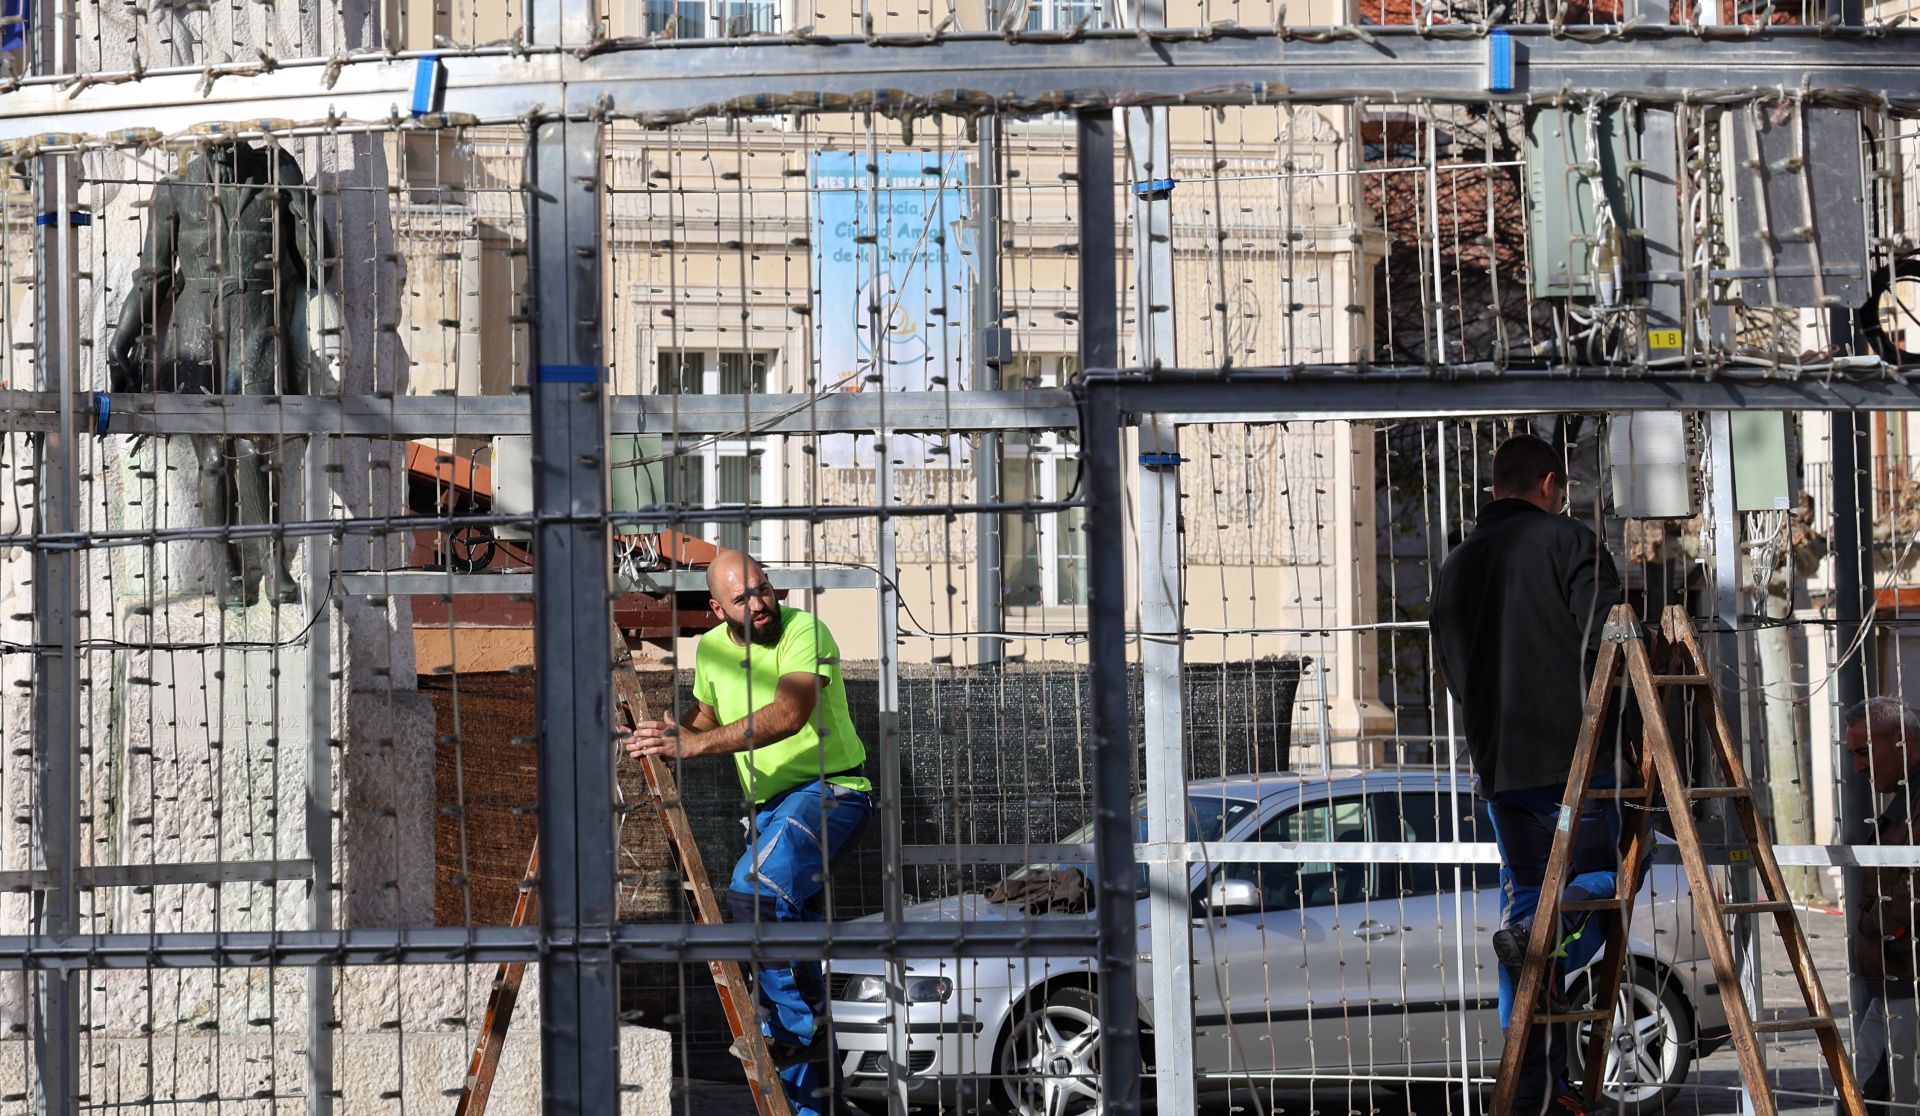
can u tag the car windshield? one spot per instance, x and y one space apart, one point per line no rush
1210 815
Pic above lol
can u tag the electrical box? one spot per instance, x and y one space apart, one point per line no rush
1760 477
637 480
1778 161
1651 457
1577 162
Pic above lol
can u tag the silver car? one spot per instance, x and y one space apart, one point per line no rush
1302 971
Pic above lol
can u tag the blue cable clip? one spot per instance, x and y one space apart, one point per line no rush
566 373
1161 459
429 84
102 410
1499 61
1154 188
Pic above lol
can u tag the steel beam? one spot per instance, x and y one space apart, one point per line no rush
1856 669
445 416
1385 852
317 807
1162 616
627 942
440 583
55 736
1112 753
1324 391
573 699
1329 394
160 875
690 78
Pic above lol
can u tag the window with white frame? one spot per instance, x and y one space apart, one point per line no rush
708 19
1064 15
1043 556
716 472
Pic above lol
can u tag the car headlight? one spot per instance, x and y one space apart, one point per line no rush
920 990
928 990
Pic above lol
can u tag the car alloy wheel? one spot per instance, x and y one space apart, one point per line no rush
1649 1048
1050 1064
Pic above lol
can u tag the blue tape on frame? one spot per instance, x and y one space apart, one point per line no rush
72 219
1158 187
102 410
1499 61
429 85
567 374
1161 459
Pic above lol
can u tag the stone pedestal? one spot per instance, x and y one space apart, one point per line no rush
417 1065
205 763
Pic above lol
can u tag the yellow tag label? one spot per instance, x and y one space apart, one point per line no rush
1737 856
1666 339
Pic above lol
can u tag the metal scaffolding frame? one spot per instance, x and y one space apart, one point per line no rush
663 82
571 92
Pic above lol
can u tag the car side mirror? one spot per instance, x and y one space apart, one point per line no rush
1230 897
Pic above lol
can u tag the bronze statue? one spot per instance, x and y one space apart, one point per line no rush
217 306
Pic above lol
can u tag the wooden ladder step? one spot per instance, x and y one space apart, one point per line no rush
1591 1015
1638 793
1768 906
1614 904
1779 1026
1680 680
1720 792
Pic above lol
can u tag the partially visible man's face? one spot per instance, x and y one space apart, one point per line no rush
1556 492
1884 758
747 604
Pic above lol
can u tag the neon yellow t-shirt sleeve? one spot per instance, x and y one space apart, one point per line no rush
808 648
702 681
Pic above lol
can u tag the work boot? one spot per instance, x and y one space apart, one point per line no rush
1510 946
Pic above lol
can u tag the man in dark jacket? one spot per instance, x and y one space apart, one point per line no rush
1883 741
1516 625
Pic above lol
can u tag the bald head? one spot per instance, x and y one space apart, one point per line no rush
743 598
730 570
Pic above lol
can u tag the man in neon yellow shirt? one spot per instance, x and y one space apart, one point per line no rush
767 690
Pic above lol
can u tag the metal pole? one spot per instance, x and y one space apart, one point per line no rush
1468 1094
56 676
1853 673
992 346
1161 617
1726 612
891 835
55 583
319 804
579 1036
1107 623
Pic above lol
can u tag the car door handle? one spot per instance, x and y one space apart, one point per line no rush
1373 930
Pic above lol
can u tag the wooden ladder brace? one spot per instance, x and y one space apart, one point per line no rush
1625 661
736 997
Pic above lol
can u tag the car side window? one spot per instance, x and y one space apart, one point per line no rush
1318 883
1427 816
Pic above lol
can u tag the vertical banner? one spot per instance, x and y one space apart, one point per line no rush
891 281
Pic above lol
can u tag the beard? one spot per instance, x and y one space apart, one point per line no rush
768 636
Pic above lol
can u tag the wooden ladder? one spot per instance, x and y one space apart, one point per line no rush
736 997
1625 661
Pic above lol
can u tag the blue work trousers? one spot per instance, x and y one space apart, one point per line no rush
1524 822
795 838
